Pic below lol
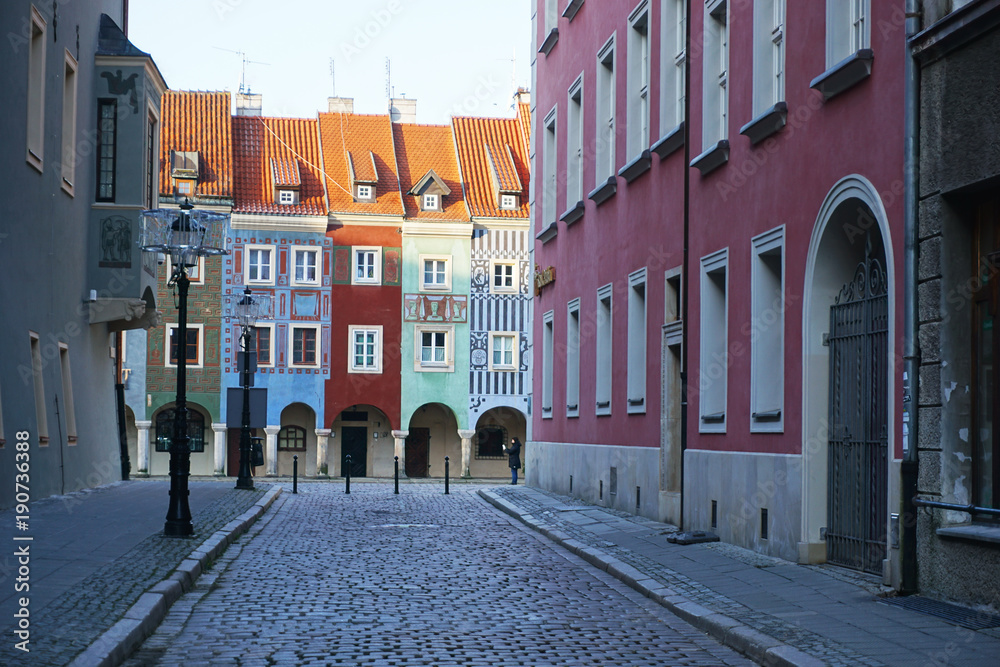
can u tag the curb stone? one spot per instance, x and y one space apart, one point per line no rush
752 643
143 617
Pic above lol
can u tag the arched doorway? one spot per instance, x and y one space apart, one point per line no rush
494 428
433 434
848 343
364 433
201 442
297 437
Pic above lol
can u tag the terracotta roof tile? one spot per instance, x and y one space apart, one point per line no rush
502 169
420 149
198 121
271 152
363 137
363 169
477 139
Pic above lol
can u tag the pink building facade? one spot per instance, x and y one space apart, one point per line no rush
719 196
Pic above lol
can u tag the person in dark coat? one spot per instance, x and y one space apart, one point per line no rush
513 458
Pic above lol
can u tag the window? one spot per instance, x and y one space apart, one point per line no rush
636 370
68 405
768 54
366 192
549 166
503 351
435 273
365 351
107 136
185 188
767 327
605 147
573 358
548 349
715 74
286 197
69 124
306 263
193 348
292 439
367 266
490 441
165 430
195 272
508 202
260 265
673 55
602 380
574 144
638 80
303 346
504 278
434 348
36 91
430 202
152 165
847 29
41 416
713 352
263 342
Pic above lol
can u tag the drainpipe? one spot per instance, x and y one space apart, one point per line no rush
685 283
911 348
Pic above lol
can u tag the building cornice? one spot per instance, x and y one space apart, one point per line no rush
310 224
452 230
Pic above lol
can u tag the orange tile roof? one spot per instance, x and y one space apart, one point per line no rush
502 169
363 169
502 137
524 113
357 135
198 121
419 149
268 149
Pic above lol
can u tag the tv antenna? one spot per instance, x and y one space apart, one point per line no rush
243 72
388 79
333 77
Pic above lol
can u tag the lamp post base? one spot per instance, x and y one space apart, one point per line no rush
178 529
244 483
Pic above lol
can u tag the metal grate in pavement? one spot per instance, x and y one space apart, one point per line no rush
966 618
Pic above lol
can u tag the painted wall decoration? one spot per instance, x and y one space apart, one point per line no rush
435 308
116 242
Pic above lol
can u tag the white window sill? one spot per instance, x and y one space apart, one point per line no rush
549 42
766 124
670 142
714 157
844 75
605 191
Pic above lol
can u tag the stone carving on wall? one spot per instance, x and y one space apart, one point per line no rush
435 308
116 242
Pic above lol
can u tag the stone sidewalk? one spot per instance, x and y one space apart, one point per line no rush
773 611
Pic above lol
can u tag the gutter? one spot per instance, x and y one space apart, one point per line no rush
685 283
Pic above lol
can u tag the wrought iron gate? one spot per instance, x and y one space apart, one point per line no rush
858 432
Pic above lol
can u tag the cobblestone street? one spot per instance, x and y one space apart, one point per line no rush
421 578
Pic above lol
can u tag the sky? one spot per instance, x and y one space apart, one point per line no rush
455 57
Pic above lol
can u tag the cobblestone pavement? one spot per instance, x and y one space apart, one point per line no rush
67 625
421 578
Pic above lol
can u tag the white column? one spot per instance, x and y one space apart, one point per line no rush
220 449
271 451
142 448
400 438
322 438
466 437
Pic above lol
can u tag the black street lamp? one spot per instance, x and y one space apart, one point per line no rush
184 236
247 308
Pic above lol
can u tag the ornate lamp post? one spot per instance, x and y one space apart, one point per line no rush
184 235
247 308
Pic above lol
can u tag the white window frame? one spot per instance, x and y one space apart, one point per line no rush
603 365
69 124
848 29
272 250
37 48
715 74
673 56
573 358
435 287
352 331
636 343
365 192
515 276
297 250
270 335
446 366
376 258
768 54
637 80
513 336
550 166
430 202
292 328
69 406
508 202
713 346
196 273
574 142
767 331
37 373
200 328
286 197
604 142
548 365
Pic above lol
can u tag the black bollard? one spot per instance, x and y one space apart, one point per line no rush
446 475
396 464
347 474
295 474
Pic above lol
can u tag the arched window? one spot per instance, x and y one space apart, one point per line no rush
165 430
489 442
292 439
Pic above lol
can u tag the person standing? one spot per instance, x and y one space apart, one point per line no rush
513 458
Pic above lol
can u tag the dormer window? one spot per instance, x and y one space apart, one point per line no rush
429 192
286 180
184 169
365 193
431 203
286 197
185 188
508 202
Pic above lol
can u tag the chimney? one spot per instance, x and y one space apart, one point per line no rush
403 110
522 96
249 104
340 104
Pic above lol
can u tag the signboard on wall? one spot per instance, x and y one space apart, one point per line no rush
234 407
